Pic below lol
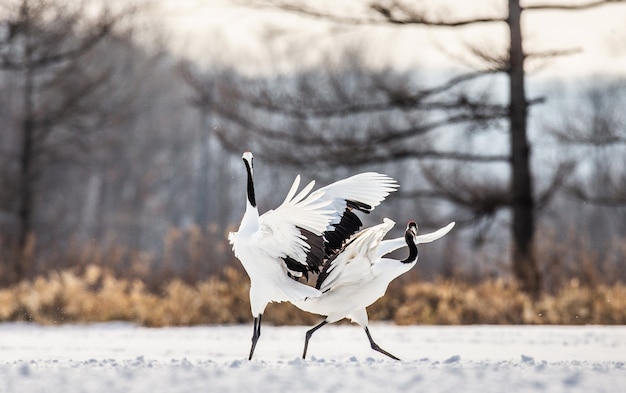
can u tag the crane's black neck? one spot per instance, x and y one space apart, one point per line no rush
251 197
412 248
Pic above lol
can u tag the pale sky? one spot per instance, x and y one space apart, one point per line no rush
265 40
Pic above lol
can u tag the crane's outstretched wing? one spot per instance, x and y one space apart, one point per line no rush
362 192
293 231
438 234
355 260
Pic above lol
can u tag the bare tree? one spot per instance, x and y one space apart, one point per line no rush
389 144
45 45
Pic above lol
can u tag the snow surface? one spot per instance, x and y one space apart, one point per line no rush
119 357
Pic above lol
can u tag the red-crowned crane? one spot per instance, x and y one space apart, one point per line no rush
358 275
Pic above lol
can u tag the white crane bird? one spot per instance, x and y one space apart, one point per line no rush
358 275
286 243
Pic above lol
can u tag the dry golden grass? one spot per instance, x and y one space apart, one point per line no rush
94 294
501 302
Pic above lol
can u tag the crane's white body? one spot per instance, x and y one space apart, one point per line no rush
261 241
360 274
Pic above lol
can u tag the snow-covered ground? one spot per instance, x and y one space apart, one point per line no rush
125 358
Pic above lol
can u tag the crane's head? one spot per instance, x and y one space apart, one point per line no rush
247 159
411 228
410 236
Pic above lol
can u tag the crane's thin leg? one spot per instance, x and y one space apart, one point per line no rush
375 346
308 337
256 333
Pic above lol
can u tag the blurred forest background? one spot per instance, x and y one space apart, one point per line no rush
121 139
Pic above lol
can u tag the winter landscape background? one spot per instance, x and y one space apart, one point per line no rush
126 358
122 125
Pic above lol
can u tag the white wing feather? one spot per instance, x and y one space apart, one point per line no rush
304 193
354 263
370 188
293 189
431 237
279 235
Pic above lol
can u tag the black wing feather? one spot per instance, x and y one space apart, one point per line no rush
360 206
324 273
327 264
314 257
324 249
346 227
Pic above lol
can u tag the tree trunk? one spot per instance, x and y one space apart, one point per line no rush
25 198
203 192
524 263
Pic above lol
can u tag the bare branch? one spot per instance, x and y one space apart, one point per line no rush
560 177
571 7
495 62
399 14
70 105
484 113
481 197
58 43
443 155
600 118
552 53
344 107
396 14
614 194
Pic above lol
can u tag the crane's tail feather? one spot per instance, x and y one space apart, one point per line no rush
296 291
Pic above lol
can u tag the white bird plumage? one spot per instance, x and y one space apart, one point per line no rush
290 241
359 275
